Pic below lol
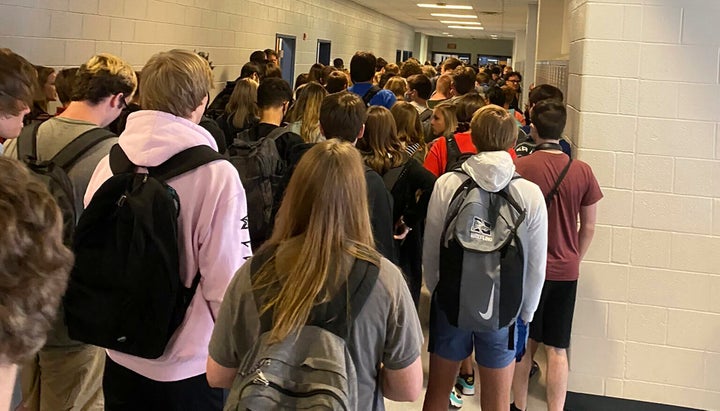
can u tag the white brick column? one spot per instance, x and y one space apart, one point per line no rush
644 103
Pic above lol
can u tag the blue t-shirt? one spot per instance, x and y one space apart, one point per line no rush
384 98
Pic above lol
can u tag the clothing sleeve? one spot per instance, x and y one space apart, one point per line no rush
536 253
225 245
420 180
381 211
593 194
384 98
436 212
404 337
286 145
237 324
433 161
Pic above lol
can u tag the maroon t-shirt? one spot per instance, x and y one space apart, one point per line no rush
578 189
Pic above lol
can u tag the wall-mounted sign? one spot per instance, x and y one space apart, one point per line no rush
452 46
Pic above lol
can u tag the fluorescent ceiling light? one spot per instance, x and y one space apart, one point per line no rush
454 16
443 6
446 33
467 27
469 23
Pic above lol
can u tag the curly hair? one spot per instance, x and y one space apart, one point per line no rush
34 263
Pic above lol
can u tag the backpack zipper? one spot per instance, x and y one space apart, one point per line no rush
260 379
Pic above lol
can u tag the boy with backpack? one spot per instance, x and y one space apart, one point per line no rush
63 152
181 213
261 155
484 261
362 70
571 193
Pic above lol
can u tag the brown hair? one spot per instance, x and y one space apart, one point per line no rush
493 129
18 81
65 82
243 103
443 84
326 203
409 127
34 263
103 76
175 82
43 73
381 148
342 116
336 81
397 85
509 93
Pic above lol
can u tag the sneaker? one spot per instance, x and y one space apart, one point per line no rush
465 384
456 401
534 369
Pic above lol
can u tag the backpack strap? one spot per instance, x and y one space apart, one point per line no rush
27 141
184 161
453 151
372 92
425 115
549 197
391 177
359 285
84 142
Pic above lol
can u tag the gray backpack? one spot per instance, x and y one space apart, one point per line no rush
312 370
481 259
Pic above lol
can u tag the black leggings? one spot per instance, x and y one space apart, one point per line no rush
126 390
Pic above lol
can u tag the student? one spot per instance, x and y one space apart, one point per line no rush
321 230
362 70
443 121
66 373
241 111
34 263
493 131
304 115
569 198
44 94
34 267
17 87
410 130
213 207
409 183
442 91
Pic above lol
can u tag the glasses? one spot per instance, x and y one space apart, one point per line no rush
512 81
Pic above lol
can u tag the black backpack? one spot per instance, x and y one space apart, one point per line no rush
370 94
261 171
125 291
455 158
54 172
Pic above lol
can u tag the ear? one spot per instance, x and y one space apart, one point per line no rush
360 135
115 101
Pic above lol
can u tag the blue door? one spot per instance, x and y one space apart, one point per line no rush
286 51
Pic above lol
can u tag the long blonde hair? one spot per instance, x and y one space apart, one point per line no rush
326 202
243 103
380 146
307 110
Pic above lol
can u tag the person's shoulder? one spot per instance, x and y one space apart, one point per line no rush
391 277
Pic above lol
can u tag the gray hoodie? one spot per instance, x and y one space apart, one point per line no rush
493 171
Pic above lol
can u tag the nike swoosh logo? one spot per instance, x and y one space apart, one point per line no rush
489 312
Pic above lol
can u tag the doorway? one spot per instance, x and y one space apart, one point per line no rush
285 46
323 52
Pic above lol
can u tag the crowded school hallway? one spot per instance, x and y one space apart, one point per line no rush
502 204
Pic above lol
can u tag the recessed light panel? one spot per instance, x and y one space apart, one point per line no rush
469 23
454 16
467 27
444 6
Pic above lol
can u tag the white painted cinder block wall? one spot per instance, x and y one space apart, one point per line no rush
645 107
63 33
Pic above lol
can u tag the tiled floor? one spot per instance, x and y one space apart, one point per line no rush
536 400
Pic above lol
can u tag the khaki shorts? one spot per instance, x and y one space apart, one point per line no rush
64 379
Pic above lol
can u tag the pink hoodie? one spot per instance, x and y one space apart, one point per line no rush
212 230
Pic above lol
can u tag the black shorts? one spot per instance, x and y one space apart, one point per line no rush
552 323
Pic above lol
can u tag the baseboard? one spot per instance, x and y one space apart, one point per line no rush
588 402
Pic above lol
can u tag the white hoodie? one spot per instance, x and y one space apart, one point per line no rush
492 171
212 230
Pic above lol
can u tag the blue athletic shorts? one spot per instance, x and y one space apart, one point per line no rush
455 344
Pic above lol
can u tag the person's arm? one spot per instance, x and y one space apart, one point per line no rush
535 253
588 216
434 222
404 384
219 376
